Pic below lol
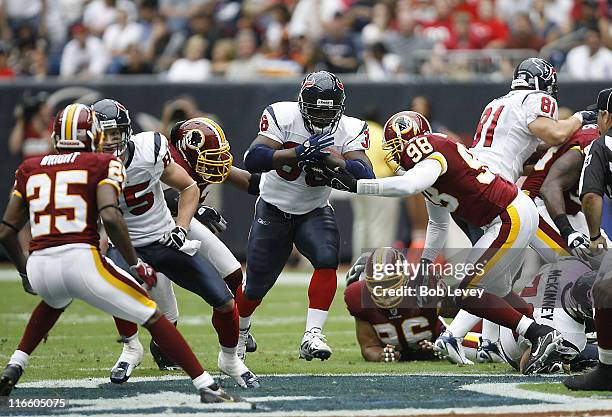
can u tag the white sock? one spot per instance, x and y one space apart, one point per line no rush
315 318
132 340
490 331
244 322
203 381
463 323
605 356
523 325
19 358
230 351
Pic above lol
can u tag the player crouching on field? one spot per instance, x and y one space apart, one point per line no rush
453 180
65 261
389 328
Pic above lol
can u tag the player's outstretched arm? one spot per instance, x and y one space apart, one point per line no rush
371 350
416 180
176 177
437 231
563 175
114 223
555 132
13 220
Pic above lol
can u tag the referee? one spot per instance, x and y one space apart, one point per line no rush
596 180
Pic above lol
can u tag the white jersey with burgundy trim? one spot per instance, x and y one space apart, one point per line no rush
288 188
546 292
503 140
142 201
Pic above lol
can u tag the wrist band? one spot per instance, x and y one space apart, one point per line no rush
593 239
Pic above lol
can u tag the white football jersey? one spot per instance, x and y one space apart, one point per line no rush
288 188
503 140
142 201
545 295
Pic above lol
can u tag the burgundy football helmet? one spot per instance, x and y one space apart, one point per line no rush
76 128
399 129
203 144
382 273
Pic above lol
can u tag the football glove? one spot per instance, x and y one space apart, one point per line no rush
175 238
343 180
587 117
26 284
143 272
578 244
211 218
357 268
314 147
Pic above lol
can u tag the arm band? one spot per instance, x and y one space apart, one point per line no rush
10 226
359 169
564 226
193 184
259 159
109 206
254 184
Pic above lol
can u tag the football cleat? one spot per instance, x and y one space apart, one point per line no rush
314 345
232 366
544 352
251 343
489 352
599 379
163 362
450 348
243 337
10 377
130 358
215 394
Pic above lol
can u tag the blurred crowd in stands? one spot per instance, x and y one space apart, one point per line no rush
194 40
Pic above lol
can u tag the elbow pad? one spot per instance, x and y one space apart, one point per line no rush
359 169
254 184
259 159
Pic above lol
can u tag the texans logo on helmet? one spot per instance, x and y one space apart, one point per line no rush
340 84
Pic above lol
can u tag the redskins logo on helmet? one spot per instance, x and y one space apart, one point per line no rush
382 273
399 129
203 144
76 128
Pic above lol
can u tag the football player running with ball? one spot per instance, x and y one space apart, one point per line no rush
63 196
453 180
162 241
293 206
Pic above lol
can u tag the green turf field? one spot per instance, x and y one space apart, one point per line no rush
82 347
83 343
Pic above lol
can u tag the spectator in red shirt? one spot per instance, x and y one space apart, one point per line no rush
5 70
468 6
492 31
439 31
523 36
463 36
